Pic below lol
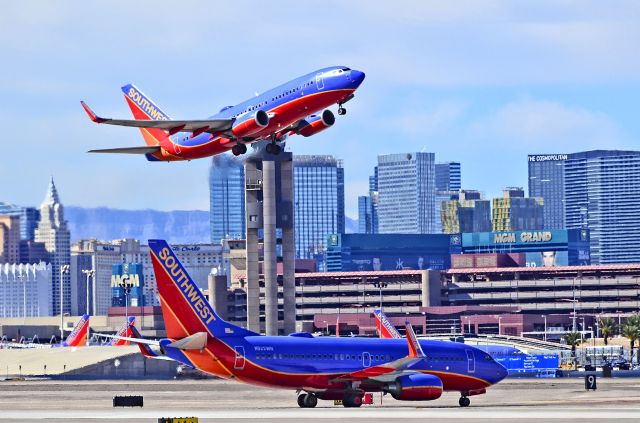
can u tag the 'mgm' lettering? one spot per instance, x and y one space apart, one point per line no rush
186 286
146 105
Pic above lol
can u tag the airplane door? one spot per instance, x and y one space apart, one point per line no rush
366 359
471 361
319 81
239 361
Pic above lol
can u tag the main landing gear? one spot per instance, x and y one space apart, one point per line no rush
307 400
464 401
239 149
353 400
273 148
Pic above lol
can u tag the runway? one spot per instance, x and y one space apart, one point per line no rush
560 400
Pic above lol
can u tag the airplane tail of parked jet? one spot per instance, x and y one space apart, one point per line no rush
124 331
384 326
79 334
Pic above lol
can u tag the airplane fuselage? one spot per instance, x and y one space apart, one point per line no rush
315 364
285 105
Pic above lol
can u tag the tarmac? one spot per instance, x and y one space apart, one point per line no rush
522 400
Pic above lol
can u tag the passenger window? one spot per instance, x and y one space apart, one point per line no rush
359 358
341 356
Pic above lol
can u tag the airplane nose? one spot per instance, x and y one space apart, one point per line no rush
501 372
357 77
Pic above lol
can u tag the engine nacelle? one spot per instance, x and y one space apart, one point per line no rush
416 387
250 124
317 123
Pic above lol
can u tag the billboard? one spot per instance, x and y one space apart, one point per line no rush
127 276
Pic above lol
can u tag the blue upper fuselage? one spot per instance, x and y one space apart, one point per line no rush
322 80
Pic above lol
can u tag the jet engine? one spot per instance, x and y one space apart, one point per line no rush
250 124
416 387
315 123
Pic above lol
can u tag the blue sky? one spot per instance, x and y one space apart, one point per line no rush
480 82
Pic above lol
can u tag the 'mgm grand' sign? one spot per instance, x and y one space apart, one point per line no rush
523 237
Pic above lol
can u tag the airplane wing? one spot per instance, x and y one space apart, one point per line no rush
135 340
173 126
129 150
392 368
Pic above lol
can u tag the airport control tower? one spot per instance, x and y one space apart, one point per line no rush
269 205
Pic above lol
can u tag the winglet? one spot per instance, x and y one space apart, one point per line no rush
95 118
415 350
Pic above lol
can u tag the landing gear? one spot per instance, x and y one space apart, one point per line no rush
239 149
352 400
464 402
341 110
273 148
307 400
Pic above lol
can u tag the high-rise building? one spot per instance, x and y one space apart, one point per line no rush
52 231
198 259
602 189
29 217
226 198
406 193
25 290
466 212
318 203
9 239
546 181
365 215
515 212
448 176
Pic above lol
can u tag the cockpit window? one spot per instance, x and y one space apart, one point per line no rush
346 69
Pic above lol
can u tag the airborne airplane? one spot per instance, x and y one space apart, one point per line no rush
325 368
296 107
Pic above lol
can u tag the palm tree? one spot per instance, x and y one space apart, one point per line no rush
607 327
573 339
631 330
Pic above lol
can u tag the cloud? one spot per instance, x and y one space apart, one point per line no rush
547 125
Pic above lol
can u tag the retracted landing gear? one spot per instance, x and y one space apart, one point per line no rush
307 400
352 400
239 149
464 401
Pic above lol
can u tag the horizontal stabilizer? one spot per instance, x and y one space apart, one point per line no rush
197 341
129 150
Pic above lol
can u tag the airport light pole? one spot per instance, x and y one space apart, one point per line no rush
545 326
499 325
380 285
22 278
64 269
89 273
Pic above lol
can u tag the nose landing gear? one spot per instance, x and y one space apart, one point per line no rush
341 110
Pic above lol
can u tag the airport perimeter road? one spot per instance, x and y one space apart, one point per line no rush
534 400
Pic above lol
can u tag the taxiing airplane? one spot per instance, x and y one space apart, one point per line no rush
79 334
326 368
296 107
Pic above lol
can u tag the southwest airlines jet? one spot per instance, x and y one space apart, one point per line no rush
126 330
325 368
296 107
79 334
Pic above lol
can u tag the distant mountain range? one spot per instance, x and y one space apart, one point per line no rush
176 226
106 224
